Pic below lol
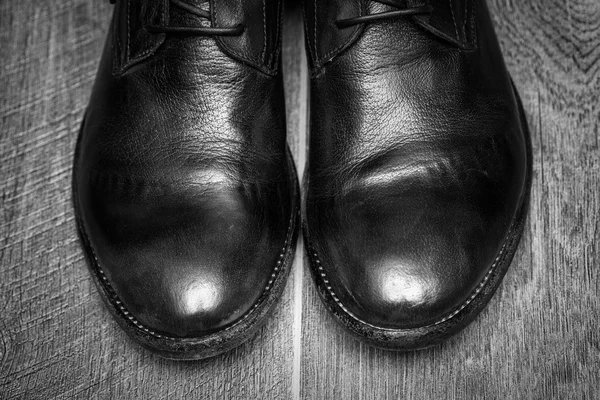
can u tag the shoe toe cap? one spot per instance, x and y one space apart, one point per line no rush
186 262
396 293
406 261
186 300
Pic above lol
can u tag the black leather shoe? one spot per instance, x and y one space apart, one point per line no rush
184 189
419 167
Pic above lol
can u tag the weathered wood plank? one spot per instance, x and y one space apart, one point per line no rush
56 338
540 336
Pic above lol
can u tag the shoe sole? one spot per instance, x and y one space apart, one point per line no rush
459 318
194 348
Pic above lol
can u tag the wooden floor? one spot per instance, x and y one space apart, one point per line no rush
539 338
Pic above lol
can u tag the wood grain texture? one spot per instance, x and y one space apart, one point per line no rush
56 338
540 337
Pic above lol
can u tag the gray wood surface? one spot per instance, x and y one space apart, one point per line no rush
539 338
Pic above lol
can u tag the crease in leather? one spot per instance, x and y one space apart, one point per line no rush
326 285
260 44
451 20
132 43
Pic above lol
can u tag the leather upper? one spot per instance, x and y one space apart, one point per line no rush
182 176
417 161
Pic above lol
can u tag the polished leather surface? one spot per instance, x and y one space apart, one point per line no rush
182 176
417 162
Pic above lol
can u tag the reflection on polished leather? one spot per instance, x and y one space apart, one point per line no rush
417 177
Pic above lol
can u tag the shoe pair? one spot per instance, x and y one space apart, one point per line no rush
187 199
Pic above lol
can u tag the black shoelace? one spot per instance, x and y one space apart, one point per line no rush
345 23
189 30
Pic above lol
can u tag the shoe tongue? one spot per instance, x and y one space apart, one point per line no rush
180 17
451 20
146 13
448 20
